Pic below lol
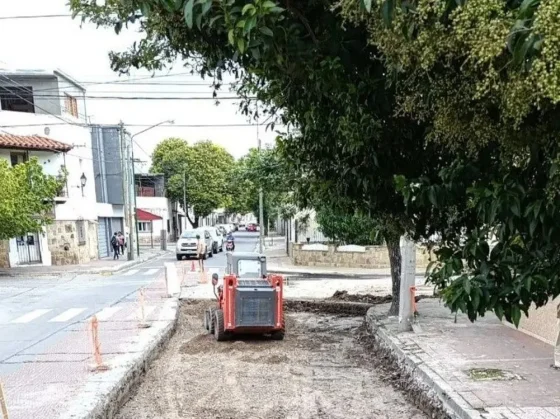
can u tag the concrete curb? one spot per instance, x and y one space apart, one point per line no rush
22 272
105 392
303 274
413 367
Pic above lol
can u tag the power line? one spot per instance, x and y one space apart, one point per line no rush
142 125
11 94
33 17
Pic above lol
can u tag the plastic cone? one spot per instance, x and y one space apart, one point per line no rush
192 266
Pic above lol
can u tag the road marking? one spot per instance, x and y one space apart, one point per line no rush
67 315
150 272
136 315
107 312
31 316
131 272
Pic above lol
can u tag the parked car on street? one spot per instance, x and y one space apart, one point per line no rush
186 245
251 227
217 239
222 230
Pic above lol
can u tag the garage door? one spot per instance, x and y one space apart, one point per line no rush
103 238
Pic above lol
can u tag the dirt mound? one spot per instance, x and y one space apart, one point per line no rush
340 308
361 298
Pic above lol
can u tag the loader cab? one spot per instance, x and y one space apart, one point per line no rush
249 265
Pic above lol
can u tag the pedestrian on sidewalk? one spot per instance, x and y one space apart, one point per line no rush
200 252
122 242
115 246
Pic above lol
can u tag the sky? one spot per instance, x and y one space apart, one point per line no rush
82 52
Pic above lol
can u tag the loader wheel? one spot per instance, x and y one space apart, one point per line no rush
211 315
207 320
279 335
219 332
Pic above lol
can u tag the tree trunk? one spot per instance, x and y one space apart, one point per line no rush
393 246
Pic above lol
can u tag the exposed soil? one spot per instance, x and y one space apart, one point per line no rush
320 370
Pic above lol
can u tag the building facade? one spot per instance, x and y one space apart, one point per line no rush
43 116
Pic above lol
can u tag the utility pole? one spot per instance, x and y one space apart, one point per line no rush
134 197
185 197
261 198
125 162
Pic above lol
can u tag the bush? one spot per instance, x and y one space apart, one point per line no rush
347 228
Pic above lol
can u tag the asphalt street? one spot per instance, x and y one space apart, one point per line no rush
35 313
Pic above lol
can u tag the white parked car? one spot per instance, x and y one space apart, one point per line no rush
217 239
186 245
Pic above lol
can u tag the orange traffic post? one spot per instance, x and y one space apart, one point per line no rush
99 366
141 300
193 268
3 404
413 300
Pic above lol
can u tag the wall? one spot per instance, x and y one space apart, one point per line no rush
66 87
64 245
108 171
43 90
4 251
369 257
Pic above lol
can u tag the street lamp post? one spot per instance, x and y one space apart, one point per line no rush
134 177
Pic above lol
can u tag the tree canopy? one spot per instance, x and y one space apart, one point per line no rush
26 198
204 166
432 117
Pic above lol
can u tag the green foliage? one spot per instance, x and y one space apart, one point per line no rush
206 168
26 198
348 228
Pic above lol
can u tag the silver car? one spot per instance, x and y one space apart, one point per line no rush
186 245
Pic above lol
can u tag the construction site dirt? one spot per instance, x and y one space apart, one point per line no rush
320 370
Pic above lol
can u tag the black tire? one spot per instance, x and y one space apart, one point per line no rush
279 335
219 332
211 254
211 315
179 257
215 249
207 320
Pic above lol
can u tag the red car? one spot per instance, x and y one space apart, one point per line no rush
251 227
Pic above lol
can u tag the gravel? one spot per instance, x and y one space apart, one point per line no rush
320 370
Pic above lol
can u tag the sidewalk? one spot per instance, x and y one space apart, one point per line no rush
54 380
481 370
100 266
279 262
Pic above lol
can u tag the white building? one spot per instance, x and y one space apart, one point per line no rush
43 115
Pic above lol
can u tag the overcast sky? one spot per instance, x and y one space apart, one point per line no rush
82 52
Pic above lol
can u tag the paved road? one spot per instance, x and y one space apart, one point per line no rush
35 313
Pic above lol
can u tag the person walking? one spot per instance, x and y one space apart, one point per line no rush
115 246
200 252
122 242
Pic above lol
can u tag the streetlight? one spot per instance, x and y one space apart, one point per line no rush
83 180
169 121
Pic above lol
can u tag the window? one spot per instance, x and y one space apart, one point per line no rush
71 105
144 227
17 99
248 269
17 158
81 229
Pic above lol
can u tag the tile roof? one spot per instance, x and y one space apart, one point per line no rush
32 142
146 216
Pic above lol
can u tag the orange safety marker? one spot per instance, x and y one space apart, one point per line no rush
193 268
142 324
99 366
3 404
413 300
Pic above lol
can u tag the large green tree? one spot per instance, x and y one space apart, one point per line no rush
485 74
201 171
26 198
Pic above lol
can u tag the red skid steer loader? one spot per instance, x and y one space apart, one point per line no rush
249 300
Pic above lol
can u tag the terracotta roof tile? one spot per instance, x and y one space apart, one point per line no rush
32 142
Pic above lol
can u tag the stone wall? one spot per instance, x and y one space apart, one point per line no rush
367 257
64 245
542 323
4 252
